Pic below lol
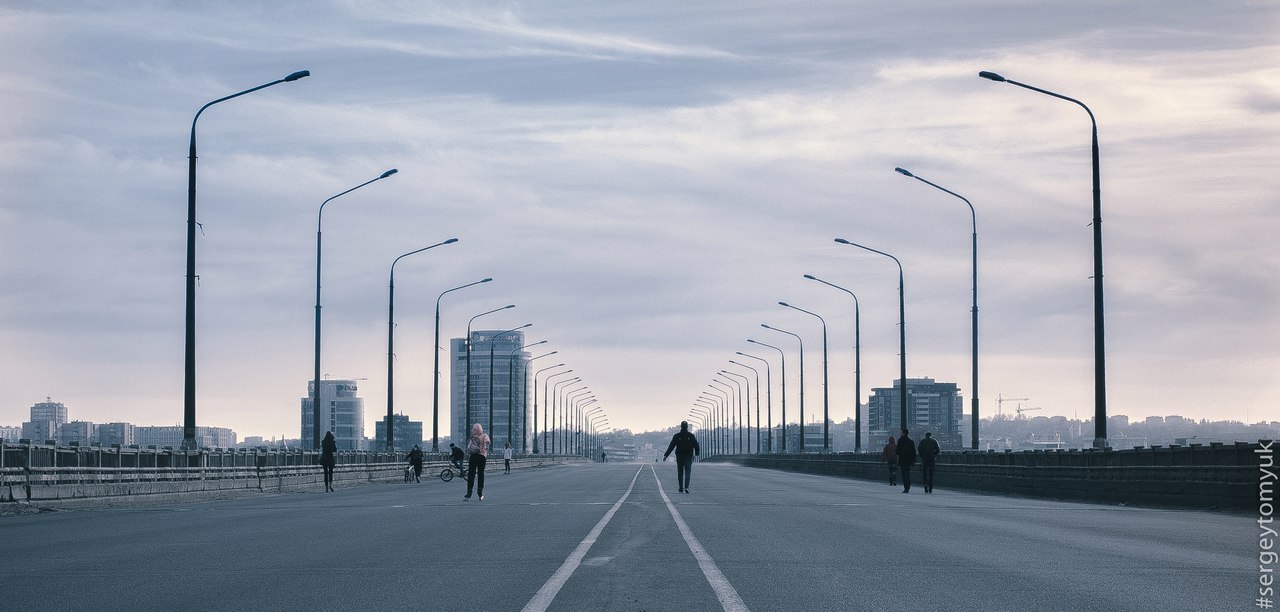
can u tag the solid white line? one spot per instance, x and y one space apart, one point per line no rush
724 591
542 599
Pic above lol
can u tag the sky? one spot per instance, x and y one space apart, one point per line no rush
645 181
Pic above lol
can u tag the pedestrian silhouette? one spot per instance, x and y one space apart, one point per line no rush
328 446
891 460
415 460
928 450
686 446
506 458
906 452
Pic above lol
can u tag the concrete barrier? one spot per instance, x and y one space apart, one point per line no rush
1197 476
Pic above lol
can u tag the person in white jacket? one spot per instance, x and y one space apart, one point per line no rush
506 458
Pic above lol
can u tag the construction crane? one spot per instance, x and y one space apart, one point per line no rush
1000 400
1021 410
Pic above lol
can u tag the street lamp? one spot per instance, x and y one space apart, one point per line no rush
712 403
1099 338
535 401
435 381
744 389
492 341
568 403
546 404
189 374
973 400
902 333
727 423
466 424
783 427
784 410
550 408
560 417
857 363
391 329
826 434
524 398
315 391
757 375
511 389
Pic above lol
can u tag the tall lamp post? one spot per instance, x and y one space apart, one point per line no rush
466 394
783 427
568 405
315 389
492 341
857 363
801 341
757 375
549 409
511 389
189 374
902 333
704 417
544 402
435 370
1099 337
524 403
743 406
561 414
730 446
391 334
973 400
712 403
826 433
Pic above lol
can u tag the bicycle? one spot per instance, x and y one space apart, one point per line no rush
447 473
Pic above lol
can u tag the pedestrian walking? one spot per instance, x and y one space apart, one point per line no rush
415 460
891 460
906 452
928 450
506 458
686 446
477 456
328 446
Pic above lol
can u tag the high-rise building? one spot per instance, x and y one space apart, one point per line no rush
341 411
931 407
505 382
116 433
49 410
79 432
407 433
10 434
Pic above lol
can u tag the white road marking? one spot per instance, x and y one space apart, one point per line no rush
542 599
725 592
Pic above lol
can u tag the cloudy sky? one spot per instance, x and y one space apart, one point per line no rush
645 181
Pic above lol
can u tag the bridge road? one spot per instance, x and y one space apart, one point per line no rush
780 541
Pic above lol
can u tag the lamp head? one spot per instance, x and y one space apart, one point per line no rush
508 306
784 304
765 325
843 241
388 173
991 76
486 280
297 75
450 241
811 277
904 172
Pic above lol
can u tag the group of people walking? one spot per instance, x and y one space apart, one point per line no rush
901 455
477 455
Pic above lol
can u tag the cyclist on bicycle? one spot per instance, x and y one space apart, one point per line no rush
455 457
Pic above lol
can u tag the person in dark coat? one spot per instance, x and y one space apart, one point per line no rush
328 446
891 460
455 457
686 447
906 458
928 450
415 460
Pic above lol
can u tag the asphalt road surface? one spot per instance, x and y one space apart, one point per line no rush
619 537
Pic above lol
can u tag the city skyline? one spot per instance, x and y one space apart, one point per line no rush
645 183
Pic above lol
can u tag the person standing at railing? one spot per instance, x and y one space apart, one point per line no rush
328 446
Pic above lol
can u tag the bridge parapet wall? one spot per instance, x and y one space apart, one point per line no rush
1201 476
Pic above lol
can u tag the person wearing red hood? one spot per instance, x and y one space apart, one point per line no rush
891 460
478 455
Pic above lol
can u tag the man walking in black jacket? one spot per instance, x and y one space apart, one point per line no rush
928 454
686 446
906 458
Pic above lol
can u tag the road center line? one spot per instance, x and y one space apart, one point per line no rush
542 599
724 591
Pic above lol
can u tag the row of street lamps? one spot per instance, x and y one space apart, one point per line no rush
713 416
